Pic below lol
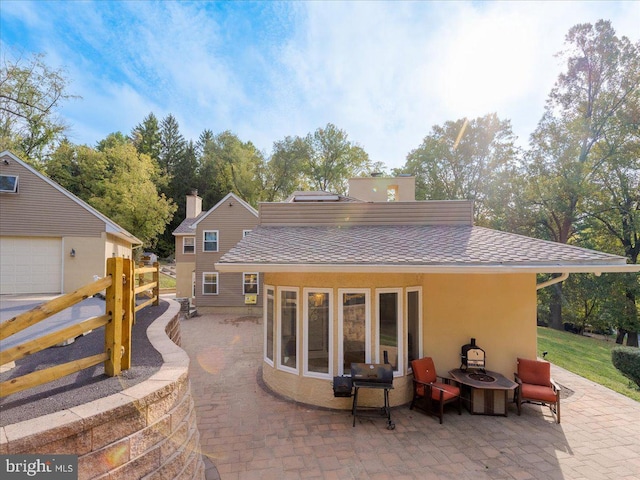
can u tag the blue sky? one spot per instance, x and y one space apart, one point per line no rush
385 72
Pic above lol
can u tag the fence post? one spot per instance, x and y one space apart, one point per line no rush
129 311
113 329
156 289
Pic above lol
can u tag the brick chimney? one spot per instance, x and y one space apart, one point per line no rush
194 204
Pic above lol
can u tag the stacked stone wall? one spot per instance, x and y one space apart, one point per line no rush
146 431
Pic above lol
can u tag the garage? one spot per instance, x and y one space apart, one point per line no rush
30 265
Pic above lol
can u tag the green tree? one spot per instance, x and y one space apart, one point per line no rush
30 95
146 137
467 159
117 181
172 145
285 170
332 159
568 148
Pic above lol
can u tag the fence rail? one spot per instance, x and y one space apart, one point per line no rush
120 307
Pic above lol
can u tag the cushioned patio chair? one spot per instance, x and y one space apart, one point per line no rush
433 394
535 385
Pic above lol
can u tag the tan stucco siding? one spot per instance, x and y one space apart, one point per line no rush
89 261
498 310
39 209
230 222
184 274
117 247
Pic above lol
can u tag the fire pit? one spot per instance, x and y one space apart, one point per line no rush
482 377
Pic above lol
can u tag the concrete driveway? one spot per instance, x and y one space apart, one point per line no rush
249 433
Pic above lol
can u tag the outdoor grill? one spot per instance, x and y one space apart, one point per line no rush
377 376
472 356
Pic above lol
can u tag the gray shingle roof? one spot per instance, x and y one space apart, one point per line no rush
186 227
405 245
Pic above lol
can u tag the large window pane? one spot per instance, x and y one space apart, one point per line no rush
288 319
318 318
354 319
388 326
413 325
270 312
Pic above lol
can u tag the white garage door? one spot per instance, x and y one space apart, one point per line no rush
30 265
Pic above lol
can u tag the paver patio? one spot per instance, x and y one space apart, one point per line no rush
249 433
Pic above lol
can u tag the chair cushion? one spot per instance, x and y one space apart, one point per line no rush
538 392
450 391
424 370
534 372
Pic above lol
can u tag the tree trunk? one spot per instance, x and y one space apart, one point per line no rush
555 308
620 337
632 339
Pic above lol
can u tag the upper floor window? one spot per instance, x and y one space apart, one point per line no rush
8 183
210 241
245 233
188 244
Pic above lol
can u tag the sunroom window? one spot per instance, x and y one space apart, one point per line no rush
317 332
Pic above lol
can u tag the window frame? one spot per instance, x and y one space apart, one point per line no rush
245 233
274 318
408 290
244 283
305 332
204 241
217 283
184 245
367 326
400 332
278 351
16 181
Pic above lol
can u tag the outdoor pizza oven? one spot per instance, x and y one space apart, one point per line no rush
472 356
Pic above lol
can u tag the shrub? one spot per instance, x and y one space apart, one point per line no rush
627 360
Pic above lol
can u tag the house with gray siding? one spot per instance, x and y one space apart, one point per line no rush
200 240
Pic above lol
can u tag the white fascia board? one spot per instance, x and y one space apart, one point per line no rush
451 269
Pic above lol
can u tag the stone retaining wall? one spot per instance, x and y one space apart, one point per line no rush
148 430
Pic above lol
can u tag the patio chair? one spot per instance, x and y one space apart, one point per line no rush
535 385
433 394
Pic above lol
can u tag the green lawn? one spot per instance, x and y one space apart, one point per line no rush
588 357
166 281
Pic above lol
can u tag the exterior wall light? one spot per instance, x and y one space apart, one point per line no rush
72 253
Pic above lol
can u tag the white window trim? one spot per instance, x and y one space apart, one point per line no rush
275 319
184 245
420 347
398 291
217 283
367 326
15 184
257 283
278 345
305 332
245 233
217 232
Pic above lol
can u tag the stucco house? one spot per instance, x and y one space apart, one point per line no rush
346 281
50 240
200 240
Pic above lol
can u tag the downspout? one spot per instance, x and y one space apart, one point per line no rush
553 281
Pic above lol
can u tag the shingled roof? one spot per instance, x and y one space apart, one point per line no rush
409 248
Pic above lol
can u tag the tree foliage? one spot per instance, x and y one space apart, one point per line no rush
117 181
466 159
30 95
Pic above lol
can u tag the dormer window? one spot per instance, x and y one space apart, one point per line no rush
8 184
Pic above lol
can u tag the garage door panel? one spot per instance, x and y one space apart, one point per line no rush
30 265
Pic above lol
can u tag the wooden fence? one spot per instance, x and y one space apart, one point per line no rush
123 283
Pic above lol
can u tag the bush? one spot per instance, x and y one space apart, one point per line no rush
627 360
